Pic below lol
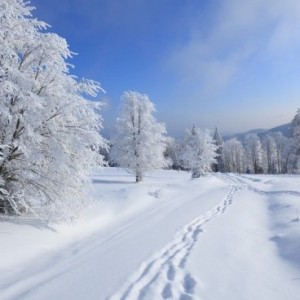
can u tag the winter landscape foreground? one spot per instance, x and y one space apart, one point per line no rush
223 236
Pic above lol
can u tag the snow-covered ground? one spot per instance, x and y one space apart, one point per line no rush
220 237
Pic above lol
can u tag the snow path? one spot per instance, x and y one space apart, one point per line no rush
174 238
164 275
253 251
95 267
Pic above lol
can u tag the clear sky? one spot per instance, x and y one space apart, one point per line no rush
230 63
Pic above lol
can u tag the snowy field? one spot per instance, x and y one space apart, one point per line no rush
220 237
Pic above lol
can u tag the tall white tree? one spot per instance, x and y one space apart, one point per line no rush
286 153
254 153
271 154
198 151
295 129
290 160
233 156
219 165
295 133
140 141
172 153
48 130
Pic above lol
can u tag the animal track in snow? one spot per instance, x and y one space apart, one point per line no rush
164 276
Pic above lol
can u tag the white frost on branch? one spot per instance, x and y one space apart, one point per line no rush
140 141
49 131
198 151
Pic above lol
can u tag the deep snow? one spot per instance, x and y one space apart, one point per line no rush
224 236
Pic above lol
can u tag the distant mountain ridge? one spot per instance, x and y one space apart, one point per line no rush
284 129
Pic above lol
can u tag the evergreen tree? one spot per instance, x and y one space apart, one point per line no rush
218 166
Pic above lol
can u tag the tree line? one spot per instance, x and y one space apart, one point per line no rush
141 145
273 153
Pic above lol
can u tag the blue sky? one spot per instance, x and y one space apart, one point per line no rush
230 63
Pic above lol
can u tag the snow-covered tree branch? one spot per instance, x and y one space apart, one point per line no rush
49 131
199 151
140 141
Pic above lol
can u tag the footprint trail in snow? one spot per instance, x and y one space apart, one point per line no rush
163 276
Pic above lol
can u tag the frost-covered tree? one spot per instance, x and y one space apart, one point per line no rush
219 165
198 151
295 130
270 154
233 156
140 141
286 158
48 130
172 153
289 159
295 134
254 154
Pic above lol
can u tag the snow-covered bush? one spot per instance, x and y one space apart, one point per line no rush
140 141
48 130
